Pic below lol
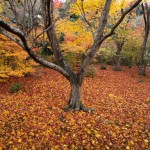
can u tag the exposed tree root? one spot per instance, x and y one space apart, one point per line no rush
78 108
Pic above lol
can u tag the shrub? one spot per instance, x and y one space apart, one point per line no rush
15 88
74 58
45 50
90 72
103 67
131 53
105 56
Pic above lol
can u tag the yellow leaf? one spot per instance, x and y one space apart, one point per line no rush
6 112
20 140
31 133
10 142
97 135
145 140
93 142
84 141
88 131
132 142
0 8
111 95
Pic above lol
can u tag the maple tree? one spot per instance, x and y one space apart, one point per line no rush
75 79
120 37
13 60
79 27
131 51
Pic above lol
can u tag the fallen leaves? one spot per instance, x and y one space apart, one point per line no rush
34 118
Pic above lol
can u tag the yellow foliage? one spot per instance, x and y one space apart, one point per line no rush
78 35
19 140
93 9
13 60
0 8
77 38
90 7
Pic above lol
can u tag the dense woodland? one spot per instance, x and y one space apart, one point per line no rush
74 75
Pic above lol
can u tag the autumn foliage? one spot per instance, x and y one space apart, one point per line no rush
13 60
33 118
32 114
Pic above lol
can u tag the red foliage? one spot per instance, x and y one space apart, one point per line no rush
57 4
34 118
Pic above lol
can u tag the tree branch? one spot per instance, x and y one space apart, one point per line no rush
100 37
84 17
12 38
44 31
33 55
121 19
48 21
97 40
144 14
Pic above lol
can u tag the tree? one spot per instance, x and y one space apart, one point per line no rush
13 60
120 37
145 51
75 79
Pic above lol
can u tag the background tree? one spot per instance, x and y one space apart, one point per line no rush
145 51
13 60
131 51
75 79
120 37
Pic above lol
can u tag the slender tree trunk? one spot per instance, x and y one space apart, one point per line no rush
117 57
142 67
142 70
146 16
117 62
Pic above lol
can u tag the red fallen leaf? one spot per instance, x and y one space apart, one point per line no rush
31 117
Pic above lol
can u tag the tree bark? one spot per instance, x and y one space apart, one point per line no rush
117 62
75 96
117 57
146 16
142 70
75 102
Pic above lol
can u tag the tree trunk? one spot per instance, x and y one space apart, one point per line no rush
142 70
75 97
117 62
75 102
146 16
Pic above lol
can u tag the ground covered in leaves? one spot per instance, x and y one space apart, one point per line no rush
33 118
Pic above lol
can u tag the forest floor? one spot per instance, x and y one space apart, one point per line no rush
33 118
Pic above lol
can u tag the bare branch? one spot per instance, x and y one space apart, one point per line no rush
100 37
121 19
14 10
44 31
97 40
12 38
144 14
49 21
83 16
33 55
